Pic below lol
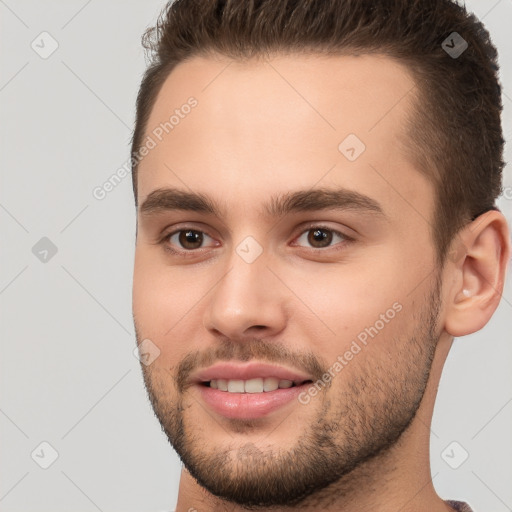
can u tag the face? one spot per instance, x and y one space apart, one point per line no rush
283 240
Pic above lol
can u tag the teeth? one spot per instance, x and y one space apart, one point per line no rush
236 386
270 384
254 386
257 385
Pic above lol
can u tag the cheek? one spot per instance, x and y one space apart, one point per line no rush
163 303
145 285
345 299
363 310
154 299
158 297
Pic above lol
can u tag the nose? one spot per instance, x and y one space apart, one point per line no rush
248 300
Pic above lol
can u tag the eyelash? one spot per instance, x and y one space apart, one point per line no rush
193 252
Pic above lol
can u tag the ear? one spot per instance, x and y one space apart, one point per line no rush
478 262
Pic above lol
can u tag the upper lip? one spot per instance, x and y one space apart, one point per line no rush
229 371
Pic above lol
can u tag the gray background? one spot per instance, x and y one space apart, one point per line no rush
68 374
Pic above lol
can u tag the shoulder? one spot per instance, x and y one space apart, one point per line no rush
459 506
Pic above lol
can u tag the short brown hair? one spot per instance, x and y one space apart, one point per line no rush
454 135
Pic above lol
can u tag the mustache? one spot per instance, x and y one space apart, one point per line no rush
247 350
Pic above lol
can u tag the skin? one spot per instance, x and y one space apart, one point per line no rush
267 127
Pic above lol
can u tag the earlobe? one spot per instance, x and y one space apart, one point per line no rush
478 273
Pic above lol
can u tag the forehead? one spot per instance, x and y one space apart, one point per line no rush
284 122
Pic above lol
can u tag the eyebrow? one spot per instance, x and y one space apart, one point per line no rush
174 199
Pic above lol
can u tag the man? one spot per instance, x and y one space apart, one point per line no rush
315 186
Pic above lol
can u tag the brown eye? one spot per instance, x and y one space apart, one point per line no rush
319 237
190 239
187 239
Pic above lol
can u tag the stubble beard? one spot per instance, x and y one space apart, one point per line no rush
362 421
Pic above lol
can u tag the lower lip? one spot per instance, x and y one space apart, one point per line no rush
249 405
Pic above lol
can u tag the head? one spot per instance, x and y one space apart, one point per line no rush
323 201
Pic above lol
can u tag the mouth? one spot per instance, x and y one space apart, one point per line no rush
251 399
251 390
